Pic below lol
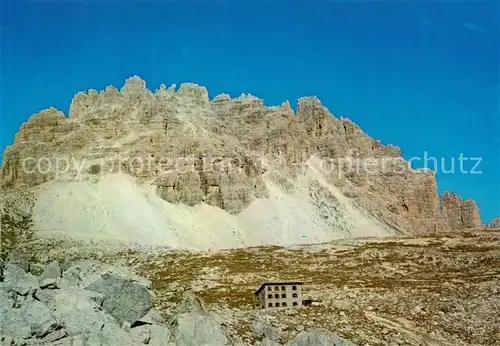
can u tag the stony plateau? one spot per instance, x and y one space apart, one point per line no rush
91 303
174 168
440 289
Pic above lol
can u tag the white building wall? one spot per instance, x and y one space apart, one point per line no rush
284 296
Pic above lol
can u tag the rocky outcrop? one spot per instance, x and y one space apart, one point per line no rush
460 214
67 313
58 314
217 152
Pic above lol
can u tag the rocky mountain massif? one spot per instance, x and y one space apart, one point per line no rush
173 167
177 170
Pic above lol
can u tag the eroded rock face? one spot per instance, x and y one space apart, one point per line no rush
195 150
459 213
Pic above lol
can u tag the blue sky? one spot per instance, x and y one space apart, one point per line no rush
423 76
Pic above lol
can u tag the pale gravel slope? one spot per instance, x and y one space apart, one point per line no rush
118 207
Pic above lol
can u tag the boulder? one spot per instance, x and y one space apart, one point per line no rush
318 337
195 325
6 340
83 273
54 336
271 332
32 319
50 276
152 317
13 324
159 335
152 335
191 303
123 299
112 335
39 318
141 334
7 299
96 297
20 281
263 327
75 340
194 328
33 314
72 276
104 337
79 313
18 258
82 316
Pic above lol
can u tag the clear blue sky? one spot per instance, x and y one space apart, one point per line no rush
423 76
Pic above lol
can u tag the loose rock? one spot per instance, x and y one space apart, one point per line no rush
124 300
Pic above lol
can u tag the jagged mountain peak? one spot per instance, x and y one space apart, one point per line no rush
267 173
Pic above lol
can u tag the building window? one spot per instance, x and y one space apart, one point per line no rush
283 304
294 287
270 305
294 295
269 288
276 288
283 295
294 303
276 295
283 288
277 304
269 296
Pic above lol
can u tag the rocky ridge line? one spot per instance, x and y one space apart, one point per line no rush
229 143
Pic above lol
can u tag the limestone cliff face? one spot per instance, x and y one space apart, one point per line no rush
196 150
459 213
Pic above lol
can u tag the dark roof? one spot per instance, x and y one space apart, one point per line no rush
276 284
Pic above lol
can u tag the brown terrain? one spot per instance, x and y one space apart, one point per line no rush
440 289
